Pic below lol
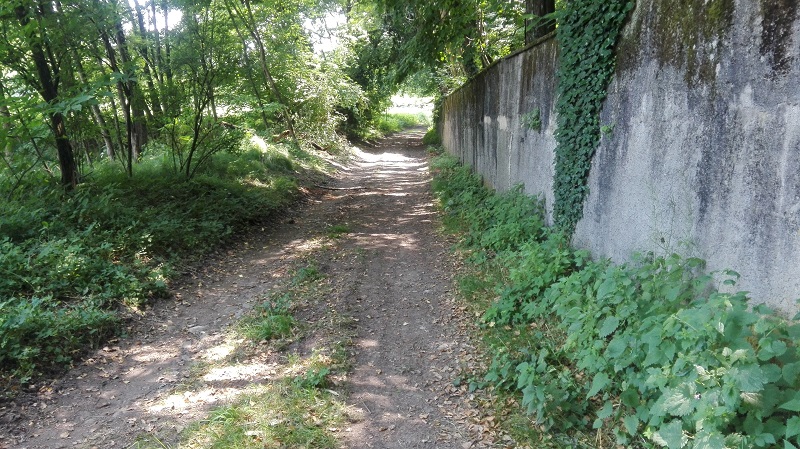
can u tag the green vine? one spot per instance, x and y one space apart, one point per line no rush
587 33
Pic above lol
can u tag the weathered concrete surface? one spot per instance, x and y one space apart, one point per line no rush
483 122
704 156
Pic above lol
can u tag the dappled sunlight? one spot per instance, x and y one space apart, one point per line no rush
247 371
306 245
259 143
183 402
264 147
220 351
368 343
381 157
196 359
385 240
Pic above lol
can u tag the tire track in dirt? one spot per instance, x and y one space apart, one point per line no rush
406 349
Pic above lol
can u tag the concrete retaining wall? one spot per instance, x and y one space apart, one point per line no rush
704 156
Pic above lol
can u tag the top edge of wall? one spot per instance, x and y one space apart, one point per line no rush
546 38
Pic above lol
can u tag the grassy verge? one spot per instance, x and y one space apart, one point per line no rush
72 264
297 405
395 122
389 123
652 353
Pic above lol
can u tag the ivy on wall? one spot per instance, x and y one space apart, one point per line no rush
587 33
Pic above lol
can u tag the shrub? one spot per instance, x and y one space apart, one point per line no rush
431 137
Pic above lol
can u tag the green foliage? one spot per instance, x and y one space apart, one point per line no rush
495 223
336 231
269 321
39 333
395 122
587 34
432 137
315 377
68 261
649 353
193 141
467 35
389 123
273 319
533 120
272 415
306 274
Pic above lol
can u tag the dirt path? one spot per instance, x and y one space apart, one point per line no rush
392 280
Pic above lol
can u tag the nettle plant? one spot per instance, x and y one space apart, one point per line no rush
652 353
673 363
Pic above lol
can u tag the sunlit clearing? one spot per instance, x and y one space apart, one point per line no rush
404 161
259 143
266 148
405 104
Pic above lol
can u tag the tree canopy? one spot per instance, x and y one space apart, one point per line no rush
85 80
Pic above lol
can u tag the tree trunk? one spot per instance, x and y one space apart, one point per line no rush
97 115
145 52
249 23
48 89
252 80
135 101
124 100
539 8
167 64
6 114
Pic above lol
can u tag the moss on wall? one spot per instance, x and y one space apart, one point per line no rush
777 18
682 33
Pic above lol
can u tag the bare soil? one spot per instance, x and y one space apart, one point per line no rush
392 278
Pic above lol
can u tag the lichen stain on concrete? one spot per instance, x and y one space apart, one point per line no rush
688 33
777 18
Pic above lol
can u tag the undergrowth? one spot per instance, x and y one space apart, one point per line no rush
652 353
69 263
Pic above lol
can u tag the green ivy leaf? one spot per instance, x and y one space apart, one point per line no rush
605 288
791 371
765 439
606 411
712 440
602 414
617 346
630 398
